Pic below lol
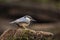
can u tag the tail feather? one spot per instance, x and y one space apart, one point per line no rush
12 22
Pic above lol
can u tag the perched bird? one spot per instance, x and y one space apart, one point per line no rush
23 21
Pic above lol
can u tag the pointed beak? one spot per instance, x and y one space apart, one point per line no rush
33 20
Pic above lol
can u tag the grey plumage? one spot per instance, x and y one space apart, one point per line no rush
23 21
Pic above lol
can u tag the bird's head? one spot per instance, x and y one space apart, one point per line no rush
29 18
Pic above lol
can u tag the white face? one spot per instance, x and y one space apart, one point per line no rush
28 19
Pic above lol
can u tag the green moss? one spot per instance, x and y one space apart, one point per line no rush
26 35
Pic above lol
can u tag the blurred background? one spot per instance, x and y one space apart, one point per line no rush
46 12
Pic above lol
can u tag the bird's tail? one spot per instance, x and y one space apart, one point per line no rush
12 22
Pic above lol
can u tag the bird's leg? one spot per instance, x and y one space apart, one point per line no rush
32 30
29 29
25 27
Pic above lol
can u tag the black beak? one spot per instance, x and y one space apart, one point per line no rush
33 20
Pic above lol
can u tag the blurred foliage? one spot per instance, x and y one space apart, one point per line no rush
56 3
26 35
32 0
41 1
45 0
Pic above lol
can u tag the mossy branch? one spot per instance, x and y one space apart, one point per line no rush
22 34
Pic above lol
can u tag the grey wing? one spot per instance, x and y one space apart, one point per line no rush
19 20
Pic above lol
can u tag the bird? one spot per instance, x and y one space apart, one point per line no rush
23 22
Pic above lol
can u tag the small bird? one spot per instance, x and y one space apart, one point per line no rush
23 21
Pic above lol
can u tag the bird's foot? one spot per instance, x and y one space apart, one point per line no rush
26 28
33 31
